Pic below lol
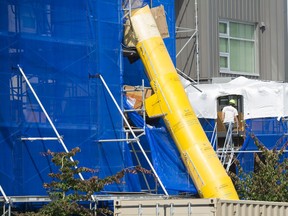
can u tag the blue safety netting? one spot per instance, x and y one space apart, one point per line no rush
58 44
61 46
271 132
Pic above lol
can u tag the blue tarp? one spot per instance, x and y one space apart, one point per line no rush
271 132
165 156
58 44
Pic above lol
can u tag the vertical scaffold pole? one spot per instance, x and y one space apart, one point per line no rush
197 42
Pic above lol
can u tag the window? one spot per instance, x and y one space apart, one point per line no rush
31 18
237 48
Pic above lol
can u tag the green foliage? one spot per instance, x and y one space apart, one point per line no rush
269 180
67 190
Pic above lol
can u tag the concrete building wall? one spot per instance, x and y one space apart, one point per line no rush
271 40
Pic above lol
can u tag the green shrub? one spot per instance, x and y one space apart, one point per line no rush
67 190
269 181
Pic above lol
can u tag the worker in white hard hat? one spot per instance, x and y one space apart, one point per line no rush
230 115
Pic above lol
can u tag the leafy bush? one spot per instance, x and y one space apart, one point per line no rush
268 182
67 190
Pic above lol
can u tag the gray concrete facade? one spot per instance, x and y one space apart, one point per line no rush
268 17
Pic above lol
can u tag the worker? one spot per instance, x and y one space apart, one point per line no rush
230 115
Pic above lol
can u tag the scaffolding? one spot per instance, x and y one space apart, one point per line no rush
135 138
139 131
195 34
58 137
226 153
6 202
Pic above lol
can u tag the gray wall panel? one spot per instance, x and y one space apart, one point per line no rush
205 42
246 10
271 42
185 17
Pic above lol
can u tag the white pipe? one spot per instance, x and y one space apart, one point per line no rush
39 138
4 195
117 140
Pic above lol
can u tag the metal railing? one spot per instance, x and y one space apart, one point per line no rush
227 152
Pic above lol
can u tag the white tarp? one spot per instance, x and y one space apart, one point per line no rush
260 99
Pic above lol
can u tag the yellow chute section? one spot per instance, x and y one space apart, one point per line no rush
171 102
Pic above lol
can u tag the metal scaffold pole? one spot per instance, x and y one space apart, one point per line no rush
133 134
59 138
197 42
196 36
7 201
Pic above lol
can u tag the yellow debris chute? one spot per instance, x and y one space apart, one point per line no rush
171 102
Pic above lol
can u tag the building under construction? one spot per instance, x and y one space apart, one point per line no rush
89 74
